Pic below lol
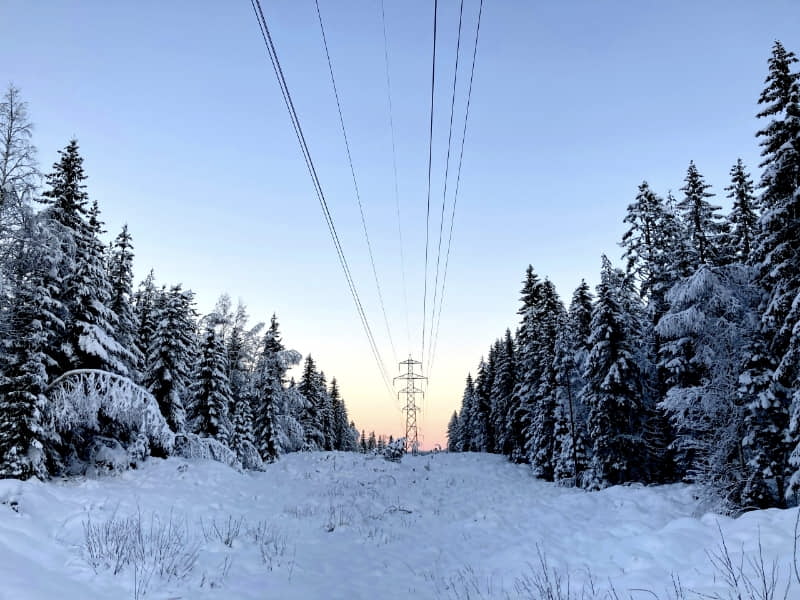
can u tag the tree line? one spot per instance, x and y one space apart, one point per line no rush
67 304
684 365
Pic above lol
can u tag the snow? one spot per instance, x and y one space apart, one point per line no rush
341 525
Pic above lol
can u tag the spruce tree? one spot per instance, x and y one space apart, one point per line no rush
171 356
120 272
466 433
612 391
271 370
27 355
311 416
540 440
571 354
453 433
501 393
89 340
211 395
705 225
482 435
341 427
773 366
743 217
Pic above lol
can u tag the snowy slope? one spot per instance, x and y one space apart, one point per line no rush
335 525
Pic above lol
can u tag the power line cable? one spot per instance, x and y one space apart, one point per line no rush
446 176
355 181
458 180
273 56
430 161
394 169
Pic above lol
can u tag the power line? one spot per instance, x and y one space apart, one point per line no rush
287 98
355 181
446 176
430 161
458 180
394 169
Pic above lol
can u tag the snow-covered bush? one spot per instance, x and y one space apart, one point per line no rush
395 450
249 457
190 445
98 401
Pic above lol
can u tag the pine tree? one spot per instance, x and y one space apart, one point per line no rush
242 440
773 368
341 427
705 225
571 354
325 411
120 272
271 371
743 217
211 397
147 302
310 418
482 436
501 393
171 356
540 440
27 357
85 289
453 433
655 247
519 411
466 434
612 392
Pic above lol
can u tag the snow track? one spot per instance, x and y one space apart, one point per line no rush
337 525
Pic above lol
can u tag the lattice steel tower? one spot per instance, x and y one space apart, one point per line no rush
410 408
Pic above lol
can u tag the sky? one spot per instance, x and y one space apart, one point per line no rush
186 139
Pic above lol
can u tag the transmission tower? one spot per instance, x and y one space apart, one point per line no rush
410 391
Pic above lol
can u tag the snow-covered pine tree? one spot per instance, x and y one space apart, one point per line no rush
341 426
90 326
655 247
612 391
210 393
147 302
453 433
270 372
171 356
501 393
772 371
479 419
571 353
243 440
466 418
705 225
526 375
482 434
540 441
744 213
310 418
120 272
26 356
325 412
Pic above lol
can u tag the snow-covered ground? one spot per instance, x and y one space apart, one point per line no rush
335 525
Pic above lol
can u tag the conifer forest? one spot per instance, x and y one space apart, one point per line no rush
636 438
684 363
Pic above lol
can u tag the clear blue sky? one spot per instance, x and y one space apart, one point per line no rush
186 139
